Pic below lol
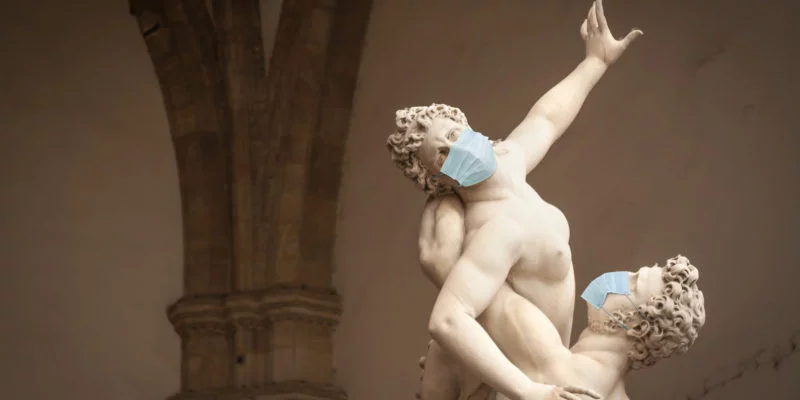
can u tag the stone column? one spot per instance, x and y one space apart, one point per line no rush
267 344
259 160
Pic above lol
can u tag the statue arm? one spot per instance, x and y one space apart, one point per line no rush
441 237
472 284
554 112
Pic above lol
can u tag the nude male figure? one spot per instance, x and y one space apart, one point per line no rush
513 236
661 318
607 350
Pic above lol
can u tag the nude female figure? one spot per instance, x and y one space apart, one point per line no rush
512 235
662 318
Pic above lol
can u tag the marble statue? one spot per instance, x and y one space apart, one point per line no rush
661 317
501 250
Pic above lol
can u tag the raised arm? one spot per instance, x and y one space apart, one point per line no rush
554 112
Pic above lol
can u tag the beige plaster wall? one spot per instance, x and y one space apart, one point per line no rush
90 211
698 144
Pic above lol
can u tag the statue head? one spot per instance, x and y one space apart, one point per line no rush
421 142
663 313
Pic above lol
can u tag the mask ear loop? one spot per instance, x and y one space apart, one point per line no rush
615 319
636 307
620 322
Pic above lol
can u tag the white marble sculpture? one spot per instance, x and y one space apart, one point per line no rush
668 298
500 254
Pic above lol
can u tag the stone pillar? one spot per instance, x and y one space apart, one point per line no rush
268 344
259 161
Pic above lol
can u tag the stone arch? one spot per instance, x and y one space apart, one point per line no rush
259 159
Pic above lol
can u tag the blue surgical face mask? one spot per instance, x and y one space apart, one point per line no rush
610 282
471 159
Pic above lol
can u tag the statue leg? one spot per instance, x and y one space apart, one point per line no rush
439 375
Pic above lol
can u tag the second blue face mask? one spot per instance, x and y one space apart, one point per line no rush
471 159
608 283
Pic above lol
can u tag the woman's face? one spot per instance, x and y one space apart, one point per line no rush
436 145
644 284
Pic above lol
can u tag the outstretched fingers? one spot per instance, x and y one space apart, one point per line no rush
630 37
594 25
576 390
602 23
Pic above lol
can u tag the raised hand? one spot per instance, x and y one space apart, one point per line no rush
600 43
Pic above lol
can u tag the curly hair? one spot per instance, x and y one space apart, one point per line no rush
412 124
672 320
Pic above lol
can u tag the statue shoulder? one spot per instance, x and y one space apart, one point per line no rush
449 204
443 206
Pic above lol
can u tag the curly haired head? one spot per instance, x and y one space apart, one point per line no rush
412 125
673 319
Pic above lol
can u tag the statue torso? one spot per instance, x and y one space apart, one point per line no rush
544 274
